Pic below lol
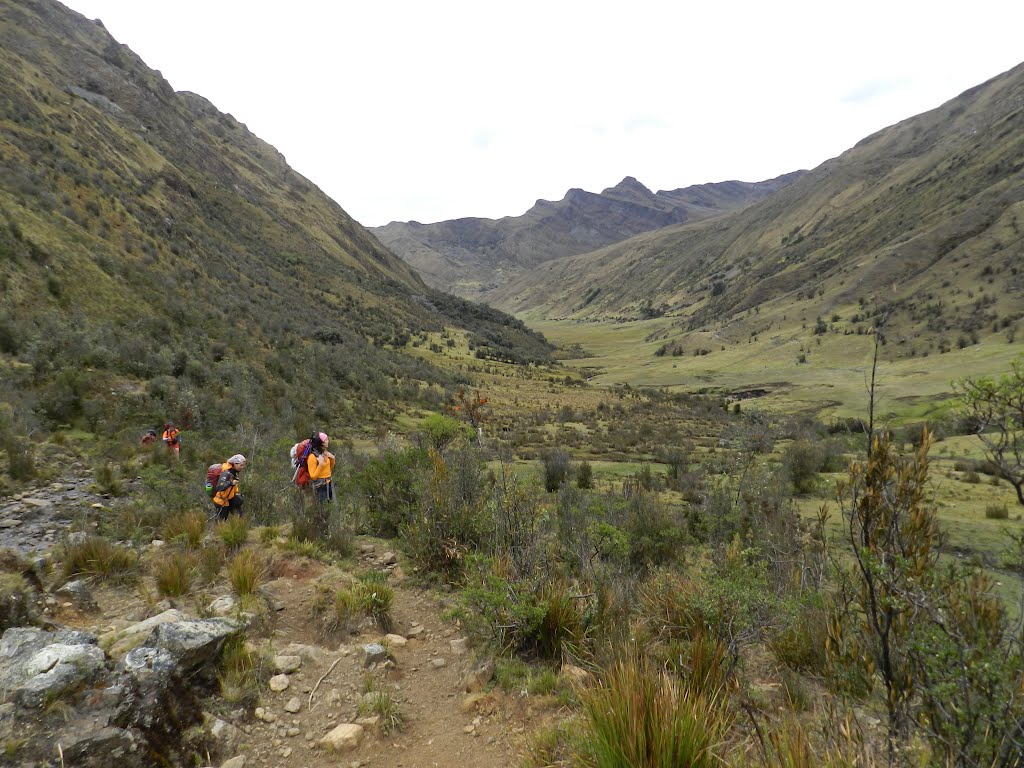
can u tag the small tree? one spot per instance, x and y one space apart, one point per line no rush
557 468
895 539
996 409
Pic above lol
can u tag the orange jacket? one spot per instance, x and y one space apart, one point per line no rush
320 470
171 435
227 486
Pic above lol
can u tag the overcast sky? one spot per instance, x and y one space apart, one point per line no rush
417 110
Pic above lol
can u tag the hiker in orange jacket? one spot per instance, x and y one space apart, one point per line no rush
226 498
172 438
320 464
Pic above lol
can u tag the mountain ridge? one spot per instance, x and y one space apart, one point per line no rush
473 256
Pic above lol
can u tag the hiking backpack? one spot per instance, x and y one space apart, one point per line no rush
212 476
299 453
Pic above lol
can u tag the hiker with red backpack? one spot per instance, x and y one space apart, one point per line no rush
224 484
313 466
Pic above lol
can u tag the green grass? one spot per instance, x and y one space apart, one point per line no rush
833 383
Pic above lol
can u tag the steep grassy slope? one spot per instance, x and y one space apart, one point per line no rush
473 256
159 259
920 224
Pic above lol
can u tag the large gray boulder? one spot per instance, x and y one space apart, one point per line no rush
37 666
156 698
194 643
90 747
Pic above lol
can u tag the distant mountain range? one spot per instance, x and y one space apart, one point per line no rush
472 257
924 219
919 224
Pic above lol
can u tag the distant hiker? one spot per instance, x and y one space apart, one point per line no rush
226 498
319 465
149 438
172 438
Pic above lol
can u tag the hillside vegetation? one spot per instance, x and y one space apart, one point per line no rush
159 260
473 257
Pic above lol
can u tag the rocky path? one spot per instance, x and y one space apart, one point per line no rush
32 522
444 725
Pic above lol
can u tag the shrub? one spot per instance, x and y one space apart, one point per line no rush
585 475
655 536
174 573
388 487
642 718
802 461
448 518
557 464
247 571
100 558
438 431
186 529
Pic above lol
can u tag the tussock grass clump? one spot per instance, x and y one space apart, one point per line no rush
305 548
343 608
209 560
997 512
241 672
16 609
556 745
270 533
174 573
641 717
234 531
800 642
700 662
99 558
247 571
790 747
106 481
375 597
185 529
794 690
381 704
561 630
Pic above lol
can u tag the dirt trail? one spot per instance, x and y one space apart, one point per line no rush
443 725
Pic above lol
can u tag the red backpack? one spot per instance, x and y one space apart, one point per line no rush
299 453
212 476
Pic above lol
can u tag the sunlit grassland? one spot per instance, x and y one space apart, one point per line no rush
832 383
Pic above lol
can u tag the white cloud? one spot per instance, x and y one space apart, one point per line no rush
428 111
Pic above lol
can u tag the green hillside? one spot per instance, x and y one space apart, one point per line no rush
159 260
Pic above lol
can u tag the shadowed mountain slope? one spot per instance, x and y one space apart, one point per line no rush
921 223
158 257
473 256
